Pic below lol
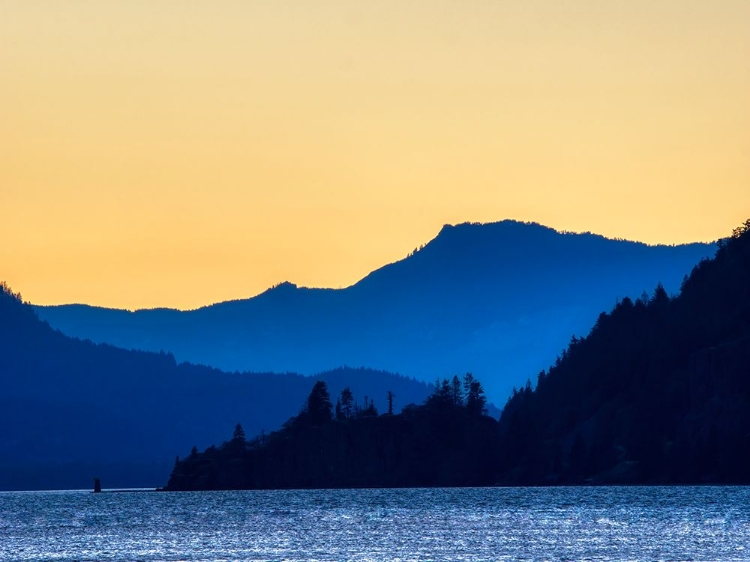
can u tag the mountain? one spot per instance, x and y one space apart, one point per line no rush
72 409
658 392
499 300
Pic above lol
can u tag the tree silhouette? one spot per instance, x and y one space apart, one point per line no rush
456 394
345 404
369 410
239 434
476 401
436 444
656 393
337 413
319 408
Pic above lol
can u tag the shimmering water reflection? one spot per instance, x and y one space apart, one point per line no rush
658 523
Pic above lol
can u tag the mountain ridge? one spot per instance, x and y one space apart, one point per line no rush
71 409
657 392
444 232
497 299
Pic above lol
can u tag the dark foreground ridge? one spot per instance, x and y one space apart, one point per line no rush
657 393
447 441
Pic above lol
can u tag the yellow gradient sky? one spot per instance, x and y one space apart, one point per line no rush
177 153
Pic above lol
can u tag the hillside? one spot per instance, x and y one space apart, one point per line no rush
447 441
658 392
499 300
71 409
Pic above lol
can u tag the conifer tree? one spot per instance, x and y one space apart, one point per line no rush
239 434
319 408
476 401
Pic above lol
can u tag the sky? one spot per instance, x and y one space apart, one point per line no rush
178 152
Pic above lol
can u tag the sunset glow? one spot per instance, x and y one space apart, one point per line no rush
182 153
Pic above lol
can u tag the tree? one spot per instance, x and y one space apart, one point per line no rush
338 414
345 405
391 396
319 408
441 398
660 297
476 402
239 434
457 395
368 410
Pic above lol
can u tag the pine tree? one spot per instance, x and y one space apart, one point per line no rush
239 434
319 408
347 404
476 401
456 393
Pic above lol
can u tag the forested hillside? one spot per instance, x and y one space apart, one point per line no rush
71 409
659 391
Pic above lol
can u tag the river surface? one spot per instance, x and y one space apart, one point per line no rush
597 523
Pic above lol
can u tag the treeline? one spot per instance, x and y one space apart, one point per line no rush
658 392
71 409
447 441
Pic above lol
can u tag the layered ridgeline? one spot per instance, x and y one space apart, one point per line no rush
71 409
498 300
658 392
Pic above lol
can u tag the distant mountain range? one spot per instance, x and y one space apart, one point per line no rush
71 409
499 300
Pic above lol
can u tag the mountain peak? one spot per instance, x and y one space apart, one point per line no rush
465 231
283 286
283 289
496 299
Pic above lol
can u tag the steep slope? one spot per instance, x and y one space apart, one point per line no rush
499 300
70 409
659 391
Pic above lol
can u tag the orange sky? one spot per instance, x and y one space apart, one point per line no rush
178 153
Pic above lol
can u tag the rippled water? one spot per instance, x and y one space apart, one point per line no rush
671 523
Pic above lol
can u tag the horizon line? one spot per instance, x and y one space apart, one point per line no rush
274 286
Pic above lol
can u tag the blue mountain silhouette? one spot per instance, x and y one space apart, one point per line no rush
72 409
500 300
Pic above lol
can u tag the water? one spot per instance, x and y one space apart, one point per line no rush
670 523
